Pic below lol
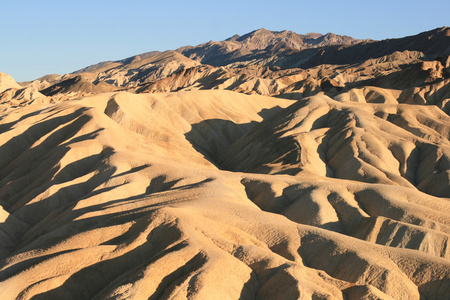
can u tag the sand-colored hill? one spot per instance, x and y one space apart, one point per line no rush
21 96
7 82
294 167
45 81
406 145
14 95
78 85
139 69
403 77
122 196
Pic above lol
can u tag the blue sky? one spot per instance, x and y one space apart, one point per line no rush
49 36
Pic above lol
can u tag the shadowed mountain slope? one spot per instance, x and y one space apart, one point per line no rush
271 63
78 85
139 69
308 167
432 43
126 189
404 145
260 42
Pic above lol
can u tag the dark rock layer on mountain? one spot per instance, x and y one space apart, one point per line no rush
283 50
260 42
432 43
78 84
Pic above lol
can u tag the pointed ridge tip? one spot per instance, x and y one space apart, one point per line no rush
234 37
260 30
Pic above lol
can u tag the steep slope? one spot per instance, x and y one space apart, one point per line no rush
249 80
239 48
79 85
45 81
159 176
401 77
290 50
401 145
107 65
268 63
7 82
21 97
117 196
432 43
139 69
13 94
152 66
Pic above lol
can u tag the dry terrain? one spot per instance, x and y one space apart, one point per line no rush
268 166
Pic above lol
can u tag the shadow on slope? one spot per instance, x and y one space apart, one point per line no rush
212 137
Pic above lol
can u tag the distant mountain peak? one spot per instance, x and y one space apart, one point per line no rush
262 32
313 35
239 46
234 37
263 48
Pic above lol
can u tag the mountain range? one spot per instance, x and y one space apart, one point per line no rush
271 165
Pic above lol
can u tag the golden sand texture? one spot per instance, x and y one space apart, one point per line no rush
220 195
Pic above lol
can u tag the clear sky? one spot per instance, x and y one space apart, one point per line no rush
40 37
